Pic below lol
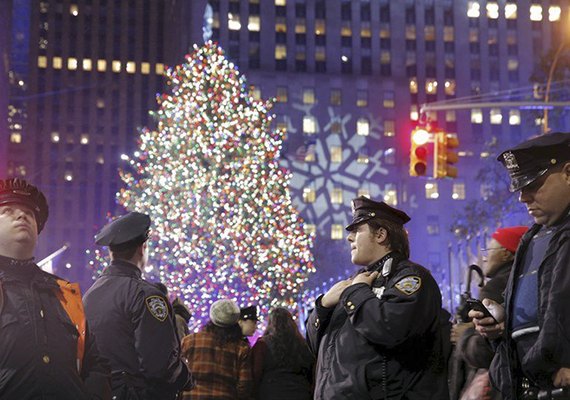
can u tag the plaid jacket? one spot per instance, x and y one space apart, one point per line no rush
220 372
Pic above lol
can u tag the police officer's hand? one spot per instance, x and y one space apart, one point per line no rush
487 326
365 277
561 378
331 298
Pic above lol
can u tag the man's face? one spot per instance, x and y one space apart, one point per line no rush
248 326
363 245
548 197
18 225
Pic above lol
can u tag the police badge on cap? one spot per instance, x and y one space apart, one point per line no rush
531 159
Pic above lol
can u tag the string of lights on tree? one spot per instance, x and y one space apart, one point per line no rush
223 224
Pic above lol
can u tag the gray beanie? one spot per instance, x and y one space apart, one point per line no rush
224 313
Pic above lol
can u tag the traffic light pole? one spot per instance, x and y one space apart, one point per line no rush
493 104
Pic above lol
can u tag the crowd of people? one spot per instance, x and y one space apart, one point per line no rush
379 334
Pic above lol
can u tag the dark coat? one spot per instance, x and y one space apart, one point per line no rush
134 326
388 345
39 342
551 349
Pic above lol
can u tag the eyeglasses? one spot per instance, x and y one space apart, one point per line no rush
487 250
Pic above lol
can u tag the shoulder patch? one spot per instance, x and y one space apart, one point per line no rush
409 285
157 307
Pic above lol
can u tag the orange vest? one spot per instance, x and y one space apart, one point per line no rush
69 296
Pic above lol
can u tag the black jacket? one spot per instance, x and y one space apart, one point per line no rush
134 326
388 345
551 349
39 342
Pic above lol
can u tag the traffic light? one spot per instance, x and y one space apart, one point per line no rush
419 152
444 155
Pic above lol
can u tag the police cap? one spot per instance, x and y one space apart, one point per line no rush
364 209
532 158
124 232
18 191
249 312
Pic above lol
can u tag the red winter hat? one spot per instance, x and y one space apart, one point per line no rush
510 237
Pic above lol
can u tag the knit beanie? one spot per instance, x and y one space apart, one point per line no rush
509 237
224 313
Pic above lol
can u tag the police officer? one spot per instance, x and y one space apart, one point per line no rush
532 328
133 319
46 350
379 335
248 321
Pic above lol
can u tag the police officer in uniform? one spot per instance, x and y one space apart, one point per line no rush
380 334
532 329
248 321
133 319
46 348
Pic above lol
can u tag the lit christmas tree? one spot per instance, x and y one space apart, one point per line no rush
223 224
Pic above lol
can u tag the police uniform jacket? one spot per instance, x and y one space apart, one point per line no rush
135 330
46 351
382 343
551 349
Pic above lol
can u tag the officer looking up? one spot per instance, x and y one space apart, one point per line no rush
133 319
248 321
379 335
532 328
46 349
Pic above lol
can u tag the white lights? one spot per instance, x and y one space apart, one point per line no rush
473 9
554 13
536 12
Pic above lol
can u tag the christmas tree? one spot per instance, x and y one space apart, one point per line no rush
223 222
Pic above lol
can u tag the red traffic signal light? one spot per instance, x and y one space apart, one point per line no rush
419 152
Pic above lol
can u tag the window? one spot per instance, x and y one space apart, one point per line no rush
391 194
414 114
320 54
431 190
74 10
476 116
87 64
234 23
510 11
492 10
336 97
390 156
57 63
309 125
536 12
55 137
310 229
495 116
388 99
255 92
280 25
458 191
450 116
363 127
309 195
473 9
116 66
15 137
410 32
336 154
362 98
389 128
336 196
431 86
42 61
429 33
145 68
448 34
337 231
449 87
280 2
514 117
253 23
320 27
308 96
362 156
554 13
385 57
282 95
131 67
512 64
413 86
280 52
300 26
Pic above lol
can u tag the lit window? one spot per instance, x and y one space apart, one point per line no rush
57 63
448 33
42 61
280 52
131 67
363 127
514 117
429 33
554 13
476 116
216 21
473 9
363 192
100 160
473 35
55 137
72 63
280 2
309 195
310 229
492 10
510 11
309 125
100 103
68 176
336 196
255 92
44 7
74 10
84 139
336 154
145 68
389 128
281 25
410 32
159 68
310 156
449 87
414 114
336 97
320 27
365 32
308 96
513 64
413 86
450 116
87 64
346 30
432 191
15 137
253 24
101 65
300 26
320 54
362 156
282 95
337 232
361 98
458 191
495 116
536 12
431 86
233 22
385 57
391 195
116 66
388 99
